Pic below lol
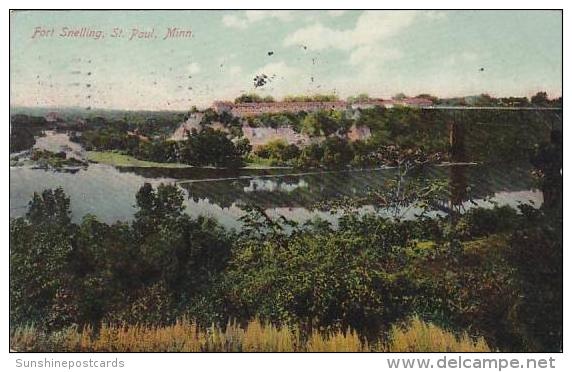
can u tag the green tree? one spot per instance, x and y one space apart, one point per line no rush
181 252
535 252
540 99
252 97
362 97
311 156
21 138
337 152
40 247
327 280
325 123
312 98
279 151
212 147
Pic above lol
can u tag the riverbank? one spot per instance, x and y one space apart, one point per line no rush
117 159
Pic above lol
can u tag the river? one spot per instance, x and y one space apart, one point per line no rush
109 193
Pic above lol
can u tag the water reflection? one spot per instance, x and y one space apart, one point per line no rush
109 193
466 181
257 185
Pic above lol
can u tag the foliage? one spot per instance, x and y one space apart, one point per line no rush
362 97
332 153
548 162
470 289
430 97
209 116
52 160
311 156
211 147
158 151
24 129
312 98
328 280
108 138
406 127
337 152
535 250
40 251
496 274
480 222
63 273
366 274
278 151
489 136
21 139
540 99
325 123
252 97
208 147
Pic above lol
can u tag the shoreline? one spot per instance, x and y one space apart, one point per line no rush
127 161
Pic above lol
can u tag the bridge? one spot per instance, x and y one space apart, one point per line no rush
550 116
456 132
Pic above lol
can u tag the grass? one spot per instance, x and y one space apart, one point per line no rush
419 336
187 336
121 160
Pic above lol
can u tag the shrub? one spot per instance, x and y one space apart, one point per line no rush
278 151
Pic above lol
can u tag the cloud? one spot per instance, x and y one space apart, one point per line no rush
233 21
368 53
253 16
194 68
319 37
276 67
368 42
371 27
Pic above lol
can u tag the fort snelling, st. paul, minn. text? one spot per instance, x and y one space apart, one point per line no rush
134 33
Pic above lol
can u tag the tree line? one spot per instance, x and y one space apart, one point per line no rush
489 136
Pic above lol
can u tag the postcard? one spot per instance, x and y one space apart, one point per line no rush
286 181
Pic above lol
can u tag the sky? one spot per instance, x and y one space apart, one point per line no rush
381 53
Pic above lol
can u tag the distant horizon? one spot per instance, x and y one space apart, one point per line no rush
172 60
80 108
